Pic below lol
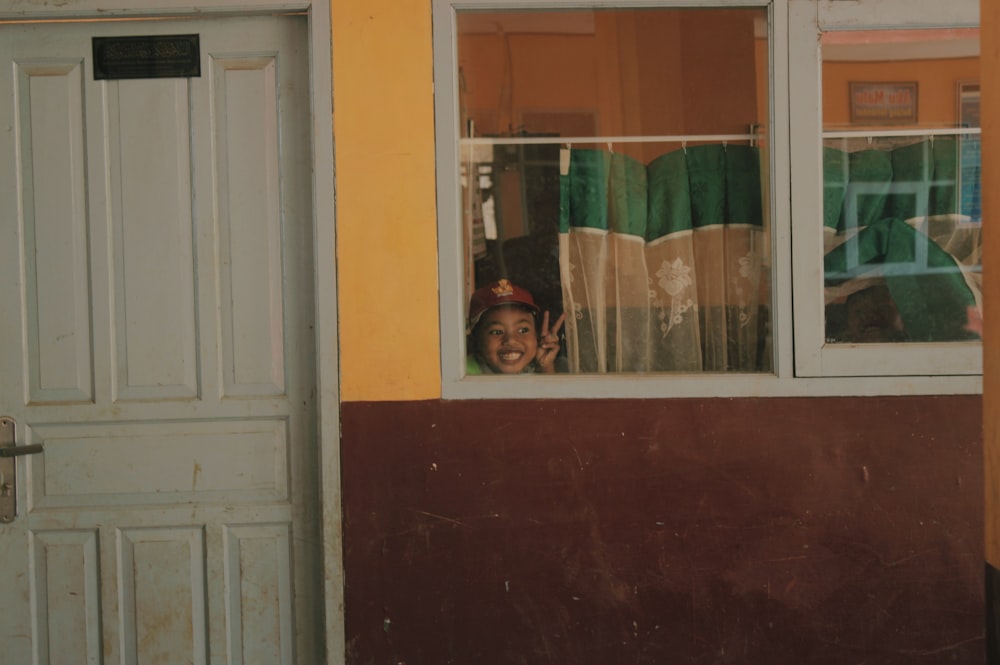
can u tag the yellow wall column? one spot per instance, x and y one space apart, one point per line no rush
386 219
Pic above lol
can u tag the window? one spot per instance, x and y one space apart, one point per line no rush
888 285
646 171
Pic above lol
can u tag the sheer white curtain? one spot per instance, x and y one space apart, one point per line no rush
664 266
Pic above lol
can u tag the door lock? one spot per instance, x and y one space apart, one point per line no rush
9 452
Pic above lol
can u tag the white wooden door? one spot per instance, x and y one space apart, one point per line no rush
156 304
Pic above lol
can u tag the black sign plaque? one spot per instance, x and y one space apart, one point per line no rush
148 57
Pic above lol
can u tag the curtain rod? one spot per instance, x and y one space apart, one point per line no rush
562 140
866 133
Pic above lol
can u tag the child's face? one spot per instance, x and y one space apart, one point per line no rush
506 339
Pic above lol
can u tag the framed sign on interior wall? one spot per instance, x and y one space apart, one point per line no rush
883 103
968 103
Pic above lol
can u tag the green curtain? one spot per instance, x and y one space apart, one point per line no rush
906 182
926 283
878 203
661 263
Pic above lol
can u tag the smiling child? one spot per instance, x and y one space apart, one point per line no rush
504 336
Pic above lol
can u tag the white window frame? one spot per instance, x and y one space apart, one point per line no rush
808 19
793 36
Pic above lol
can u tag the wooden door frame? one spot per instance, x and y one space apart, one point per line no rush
323 224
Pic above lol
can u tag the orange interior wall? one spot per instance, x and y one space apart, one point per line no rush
386 217
636 73
937 85
495 103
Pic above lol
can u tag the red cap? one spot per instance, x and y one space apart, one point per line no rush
495 294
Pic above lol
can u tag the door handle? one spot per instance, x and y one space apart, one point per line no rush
14 451
9 450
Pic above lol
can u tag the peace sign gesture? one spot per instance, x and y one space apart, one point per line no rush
548 344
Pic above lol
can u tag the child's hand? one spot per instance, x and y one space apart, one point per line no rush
548 344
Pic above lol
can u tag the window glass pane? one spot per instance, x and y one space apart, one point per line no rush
902 217
615 165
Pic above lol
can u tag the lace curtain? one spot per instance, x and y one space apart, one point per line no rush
663 266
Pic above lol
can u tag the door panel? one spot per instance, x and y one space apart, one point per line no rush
52 179
152 230
156 285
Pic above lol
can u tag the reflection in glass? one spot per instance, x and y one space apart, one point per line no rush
615 165
901 168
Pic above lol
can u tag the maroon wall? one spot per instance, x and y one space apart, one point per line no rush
780 530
